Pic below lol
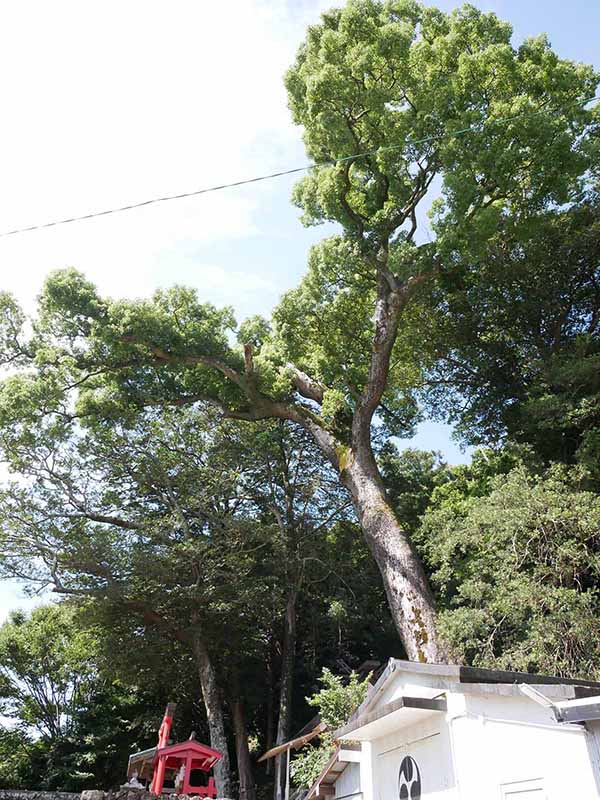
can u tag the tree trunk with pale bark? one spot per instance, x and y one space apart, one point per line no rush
408 593
247 789
214 713
285 692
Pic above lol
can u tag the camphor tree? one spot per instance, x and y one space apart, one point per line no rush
394 81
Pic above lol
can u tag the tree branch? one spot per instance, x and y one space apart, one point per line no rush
305 385
388 309
164 356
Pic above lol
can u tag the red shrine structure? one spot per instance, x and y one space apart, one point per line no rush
175 763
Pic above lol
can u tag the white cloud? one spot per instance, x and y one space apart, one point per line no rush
12 598
248 292
106 103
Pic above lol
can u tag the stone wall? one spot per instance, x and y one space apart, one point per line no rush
24 794
130 793
124 793
127 793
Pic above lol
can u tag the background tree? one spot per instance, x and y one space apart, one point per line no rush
290 484
143 519
516 330
72 723
410 477
46 670
515 562
152 524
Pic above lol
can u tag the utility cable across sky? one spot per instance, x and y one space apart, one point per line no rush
272 175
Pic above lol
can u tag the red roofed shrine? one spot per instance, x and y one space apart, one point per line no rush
175 762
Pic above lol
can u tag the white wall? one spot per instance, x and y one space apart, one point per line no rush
428 744
349 781
511 747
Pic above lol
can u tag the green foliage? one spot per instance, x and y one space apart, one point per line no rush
380 78
46 669
335 701
133 494
18 757
410 477
338 698
395 81
516 332
152 525
72 725
516 571
12 321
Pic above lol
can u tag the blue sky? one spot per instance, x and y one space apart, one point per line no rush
106 103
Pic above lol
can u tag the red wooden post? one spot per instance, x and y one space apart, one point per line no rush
188 774
164 732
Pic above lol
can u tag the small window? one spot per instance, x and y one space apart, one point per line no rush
524 790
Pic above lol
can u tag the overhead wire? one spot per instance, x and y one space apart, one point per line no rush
279 174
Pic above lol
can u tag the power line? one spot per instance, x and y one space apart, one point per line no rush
271 175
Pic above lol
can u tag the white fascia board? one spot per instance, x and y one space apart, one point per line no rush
349 756
400 713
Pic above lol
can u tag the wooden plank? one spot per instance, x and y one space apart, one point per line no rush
325 791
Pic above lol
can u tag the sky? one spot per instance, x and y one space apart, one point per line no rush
109 103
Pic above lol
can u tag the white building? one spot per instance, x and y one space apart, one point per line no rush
441 731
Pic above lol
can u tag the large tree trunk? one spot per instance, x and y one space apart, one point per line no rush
214 712
270 725
409 596
285 692
244 764
408 593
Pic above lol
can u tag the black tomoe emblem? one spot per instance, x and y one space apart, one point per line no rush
409 780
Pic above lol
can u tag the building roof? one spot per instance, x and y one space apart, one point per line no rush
385 718
143 762
470 677
342 756
201 752
295 744
586 709
371 719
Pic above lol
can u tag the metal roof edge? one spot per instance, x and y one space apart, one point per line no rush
466 679
374 689
481 675
422 703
